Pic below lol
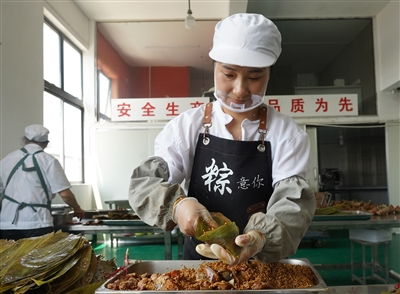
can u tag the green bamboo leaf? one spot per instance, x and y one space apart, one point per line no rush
327 210
62 284
18 275
43 259
61 270
5 244
89 275
223 235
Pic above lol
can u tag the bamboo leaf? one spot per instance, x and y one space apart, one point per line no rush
223 235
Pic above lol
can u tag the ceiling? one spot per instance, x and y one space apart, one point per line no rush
152 32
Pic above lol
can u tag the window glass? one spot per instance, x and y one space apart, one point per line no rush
104 94
73 139
51 53
72 70
352 162
62 101
53 120
326 56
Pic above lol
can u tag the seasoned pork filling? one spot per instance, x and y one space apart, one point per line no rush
252 275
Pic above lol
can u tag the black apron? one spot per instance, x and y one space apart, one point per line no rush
231 177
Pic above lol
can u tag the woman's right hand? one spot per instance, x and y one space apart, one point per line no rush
187 213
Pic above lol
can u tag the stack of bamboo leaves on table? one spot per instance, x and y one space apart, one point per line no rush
53 263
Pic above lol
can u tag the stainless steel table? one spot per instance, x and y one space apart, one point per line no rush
376 222
116 229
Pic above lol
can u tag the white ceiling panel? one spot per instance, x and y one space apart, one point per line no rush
145 10
152 32
169 44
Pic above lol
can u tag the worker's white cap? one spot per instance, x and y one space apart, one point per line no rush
37 133
246 40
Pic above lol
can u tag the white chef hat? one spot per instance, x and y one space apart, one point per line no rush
37 133
246 39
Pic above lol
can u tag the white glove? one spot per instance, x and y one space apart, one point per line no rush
252 242
188 212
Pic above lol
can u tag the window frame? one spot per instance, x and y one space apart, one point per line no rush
101 115
66 97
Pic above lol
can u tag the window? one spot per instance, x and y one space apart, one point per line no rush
352 162
62 100
104 96
326 56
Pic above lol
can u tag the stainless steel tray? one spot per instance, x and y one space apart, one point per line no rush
161 266
344 215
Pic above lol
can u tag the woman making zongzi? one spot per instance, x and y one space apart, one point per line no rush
236 156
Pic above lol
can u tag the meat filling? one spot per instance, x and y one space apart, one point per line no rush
252 275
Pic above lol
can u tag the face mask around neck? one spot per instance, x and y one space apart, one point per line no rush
256 100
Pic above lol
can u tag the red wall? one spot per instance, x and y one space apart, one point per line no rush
160 81
140 87
140 82
114 67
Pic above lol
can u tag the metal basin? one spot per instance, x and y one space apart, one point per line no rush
160 266
61 218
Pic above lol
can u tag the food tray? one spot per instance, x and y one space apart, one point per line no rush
161 266
344 215
90 213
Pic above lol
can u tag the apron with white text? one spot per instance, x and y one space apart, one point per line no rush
231 177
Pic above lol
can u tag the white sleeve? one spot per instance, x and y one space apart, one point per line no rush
168 145
56 177
291 158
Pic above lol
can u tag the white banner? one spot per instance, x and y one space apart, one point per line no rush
315 105
144 109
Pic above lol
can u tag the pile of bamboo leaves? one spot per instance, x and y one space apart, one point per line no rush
53 263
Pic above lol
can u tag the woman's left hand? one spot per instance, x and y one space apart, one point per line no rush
251 243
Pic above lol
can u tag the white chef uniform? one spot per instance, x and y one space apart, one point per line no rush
25 186
176 143
156 183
